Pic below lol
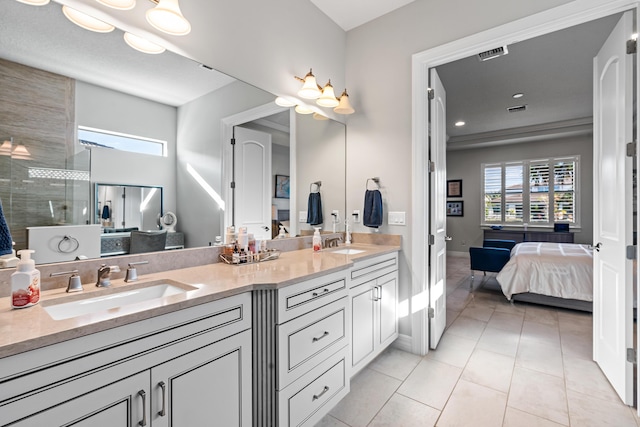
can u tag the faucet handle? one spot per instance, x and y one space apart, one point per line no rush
75 283
132 272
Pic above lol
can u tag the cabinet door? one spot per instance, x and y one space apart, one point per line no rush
388 290
209 386
363 333
124 403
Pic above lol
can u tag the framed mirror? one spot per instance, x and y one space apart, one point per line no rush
124 208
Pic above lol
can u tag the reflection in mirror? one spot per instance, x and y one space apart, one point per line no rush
123 208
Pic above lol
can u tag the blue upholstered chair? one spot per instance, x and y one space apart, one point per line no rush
492 256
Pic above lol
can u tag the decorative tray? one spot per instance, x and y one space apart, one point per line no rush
237 259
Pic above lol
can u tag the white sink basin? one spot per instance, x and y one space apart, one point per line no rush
348 251
115 299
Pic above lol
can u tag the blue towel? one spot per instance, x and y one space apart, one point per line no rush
314 209
6 243
105 212
372 216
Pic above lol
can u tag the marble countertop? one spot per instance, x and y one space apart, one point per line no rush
30 328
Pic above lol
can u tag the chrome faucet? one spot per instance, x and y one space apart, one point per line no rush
75 284
132 272
104 275
332 242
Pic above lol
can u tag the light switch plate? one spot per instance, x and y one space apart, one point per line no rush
356 215
397 218
302 216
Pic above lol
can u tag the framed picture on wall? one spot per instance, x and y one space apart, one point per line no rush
282 186
455 208
454 188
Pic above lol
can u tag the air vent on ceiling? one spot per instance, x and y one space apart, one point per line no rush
516 108
493 53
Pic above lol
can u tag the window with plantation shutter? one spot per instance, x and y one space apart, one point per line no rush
536 192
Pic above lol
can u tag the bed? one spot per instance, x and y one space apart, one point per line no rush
557 274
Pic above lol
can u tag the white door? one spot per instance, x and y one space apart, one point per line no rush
612 293
253 190
438 219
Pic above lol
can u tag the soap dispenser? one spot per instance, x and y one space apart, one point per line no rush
317 240
25 282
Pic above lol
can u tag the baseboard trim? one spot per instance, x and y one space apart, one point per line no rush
458 254
404 343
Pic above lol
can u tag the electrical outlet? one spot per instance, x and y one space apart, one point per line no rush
302 216
356 215
336 215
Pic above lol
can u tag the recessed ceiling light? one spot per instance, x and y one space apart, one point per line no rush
518 95
460 123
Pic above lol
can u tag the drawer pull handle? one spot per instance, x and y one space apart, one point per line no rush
317 294
321 336
319 395
376 296
163 386
142 394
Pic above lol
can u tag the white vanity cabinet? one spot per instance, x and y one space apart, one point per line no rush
175 369
373 299
301 343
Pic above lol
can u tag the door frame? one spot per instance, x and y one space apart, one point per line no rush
227 124
561 17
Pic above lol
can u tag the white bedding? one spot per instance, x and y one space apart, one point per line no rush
562 270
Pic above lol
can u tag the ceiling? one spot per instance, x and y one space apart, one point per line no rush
554 72
349 14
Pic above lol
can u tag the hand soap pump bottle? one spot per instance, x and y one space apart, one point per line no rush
25 282
317 240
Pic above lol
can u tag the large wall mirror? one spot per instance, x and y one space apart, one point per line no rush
96 81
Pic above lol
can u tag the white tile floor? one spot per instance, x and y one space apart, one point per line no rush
497 364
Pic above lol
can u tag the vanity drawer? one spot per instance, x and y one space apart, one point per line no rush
364 271
301 298
306 340
310 398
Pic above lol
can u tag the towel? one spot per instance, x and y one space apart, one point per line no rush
105 212
314 209
372 216
6 244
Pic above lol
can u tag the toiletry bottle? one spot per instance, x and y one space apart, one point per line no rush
317 240
281 234
25 282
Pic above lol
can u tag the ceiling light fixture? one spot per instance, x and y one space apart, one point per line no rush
35 2
460 123
143 45
518 95
168 18
119 4
86 21
325 97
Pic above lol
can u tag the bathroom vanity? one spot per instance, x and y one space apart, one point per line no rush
267 344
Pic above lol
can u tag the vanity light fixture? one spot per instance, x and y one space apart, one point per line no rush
143 45
318 116
460 123
286 102
86 21
5 148
344 106
168 18
35 2
310 88
21 153
517 95
328 97
302 109
119 4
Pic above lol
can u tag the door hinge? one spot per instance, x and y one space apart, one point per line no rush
431 166
432 240
431 93
432 313
632 148
233 141
632 252
632 46
632 356
233 184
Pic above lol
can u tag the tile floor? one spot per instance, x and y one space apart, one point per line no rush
497 364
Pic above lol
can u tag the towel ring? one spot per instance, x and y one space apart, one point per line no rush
375 180
317 184
75 244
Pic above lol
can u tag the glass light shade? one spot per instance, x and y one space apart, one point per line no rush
318 116
35 2
119 4
86 21
301 109
328 97
309 89
143 45
5 148
166 17
283 101
344 107
21 153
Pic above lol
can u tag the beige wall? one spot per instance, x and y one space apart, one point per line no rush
465 165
